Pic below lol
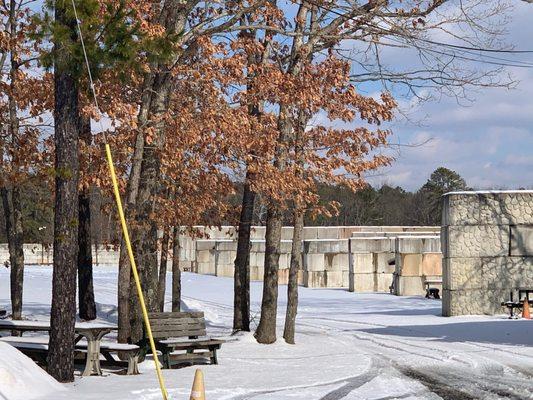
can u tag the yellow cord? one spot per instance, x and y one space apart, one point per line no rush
134 269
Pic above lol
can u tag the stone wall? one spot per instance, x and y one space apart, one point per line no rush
487 244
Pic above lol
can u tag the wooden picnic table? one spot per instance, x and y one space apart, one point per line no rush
93 332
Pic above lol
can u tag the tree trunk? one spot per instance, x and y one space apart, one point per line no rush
87 306
176 272
14 231
11 197
241 295
266 331
67 125
173 18
162 284
295 267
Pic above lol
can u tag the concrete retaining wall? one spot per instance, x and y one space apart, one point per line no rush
487 243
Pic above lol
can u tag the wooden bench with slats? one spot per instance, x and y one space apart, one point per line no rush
181 338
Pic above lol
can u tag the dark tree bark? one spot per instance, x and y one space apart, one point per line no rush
295 266
162 284
11 196
14 231
241 277
67 125
86 304
176 272
173 18
266 331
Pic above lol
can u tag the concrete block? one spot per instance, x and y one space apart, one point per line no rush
411 264
314 262
334 279
521 240
473 302
363 263
283 276
204 256
371 245
381 263
204 268
410 286
310 232
225 270
488 273
258 246
287 233
364 282
258 233
325 232
488 207
336 261
476 241
432 264
384 281
326 246
417 244
202 244
257 273
315 279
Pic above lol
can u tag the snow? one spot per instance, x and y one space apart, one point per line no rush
22 379
349 346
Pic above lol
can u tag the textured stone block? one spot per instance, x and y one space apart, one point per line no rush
487 273
521 240
494 208
205 268
473 302
205 244
475 241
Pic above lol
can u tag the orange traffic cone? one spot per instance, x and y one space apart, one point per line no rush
525 309
198 390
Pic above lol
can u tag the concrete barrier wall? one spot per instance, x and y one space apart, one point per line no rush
417 259
487 240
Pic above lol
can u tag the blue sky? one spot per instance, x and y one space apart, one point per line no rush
488 141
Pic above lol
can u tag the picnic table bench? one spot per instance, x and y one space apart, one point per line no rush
92 333
181 331
516 305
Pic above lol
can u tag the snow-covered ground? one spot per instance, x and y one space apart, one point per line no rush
349 346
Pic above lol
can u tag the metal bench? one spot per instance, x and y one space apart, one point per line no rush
432 292
36 348
175 332
517 305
